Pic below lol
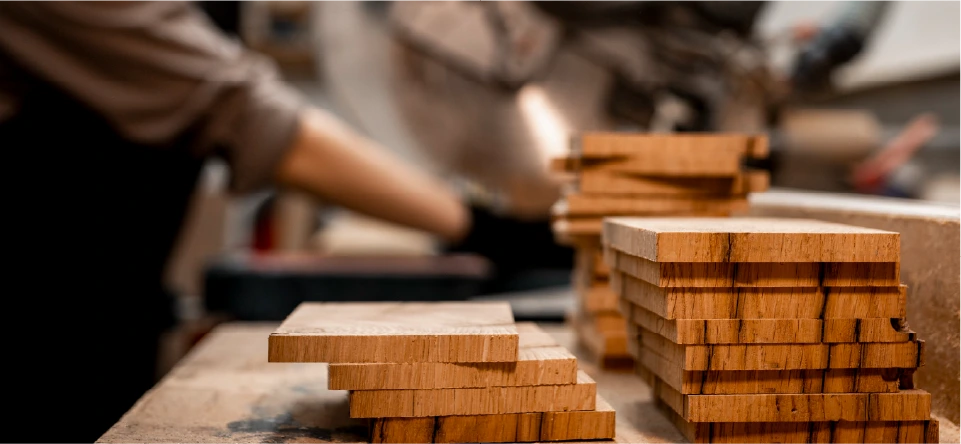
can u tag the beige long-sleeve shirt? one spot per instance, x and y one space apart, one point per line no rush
157 72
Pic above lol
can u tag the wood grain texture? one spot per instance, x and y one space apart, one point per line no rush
516 427
598 298
771 381
603 346
906 405
762 303
396 332
602 205
823 432
906 355
473 401
755 274
771 331
665 155
599 181
748 240
540 362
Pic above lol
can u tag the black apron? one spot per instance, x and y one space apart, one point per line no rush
90 221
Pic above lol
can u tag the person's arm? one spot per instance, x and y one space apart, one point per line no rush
331 161
163 76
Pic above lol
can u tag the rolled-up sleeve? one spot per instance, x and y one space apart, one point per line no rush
161 74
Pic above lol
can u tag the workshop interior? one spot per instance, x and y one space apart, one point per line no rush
856 102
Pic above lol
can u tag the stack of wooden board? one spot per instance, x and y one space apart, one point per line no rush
446 372
771 330
616 174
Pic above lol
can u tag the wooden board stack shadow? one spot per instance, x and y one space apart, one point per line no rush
771 330
446 372
619 174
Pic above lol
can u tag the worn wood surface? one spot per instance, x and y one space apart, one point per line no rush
930 267
748 240
397 332
541 362
682 147
226 391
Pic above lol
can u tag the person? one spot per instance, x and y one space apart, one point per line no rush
108 110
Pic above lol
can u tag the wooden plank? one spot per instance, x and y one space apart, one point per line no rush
598 144
762 303
607 349
755 274
748 240
473 401
599 298
600 181
771 331
824 432
771 381
396 332
530 427
513 427
540 362
586 205
907 405
905 355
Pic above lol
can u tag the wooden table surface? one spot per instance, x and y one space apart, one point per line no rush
226 391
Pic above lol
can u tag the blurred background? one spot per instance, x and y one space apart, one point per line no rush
856 98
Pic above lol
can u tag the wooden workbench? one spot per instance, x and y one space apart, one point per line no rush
226 391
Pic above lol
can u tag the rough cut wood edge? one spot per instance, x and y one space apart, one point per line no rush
755 274
907 355
474 401
772 331
742 239
762 303
591 181
514 427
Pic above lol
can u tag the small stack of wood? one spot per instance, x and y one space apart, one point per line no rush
446 372
621 174
771 330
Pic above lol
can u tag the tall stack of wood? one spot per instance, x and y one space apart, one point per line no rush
619 174
446 372
771 330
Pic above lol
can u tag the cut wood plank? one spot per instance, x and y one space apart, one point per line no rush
541 362
771 381
609 322
599 298
678 147
396 332
907 405
473 401
907 355
762 303
824 432
755 274
586 205
599 181
771 331
748 240
607 349
514 427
